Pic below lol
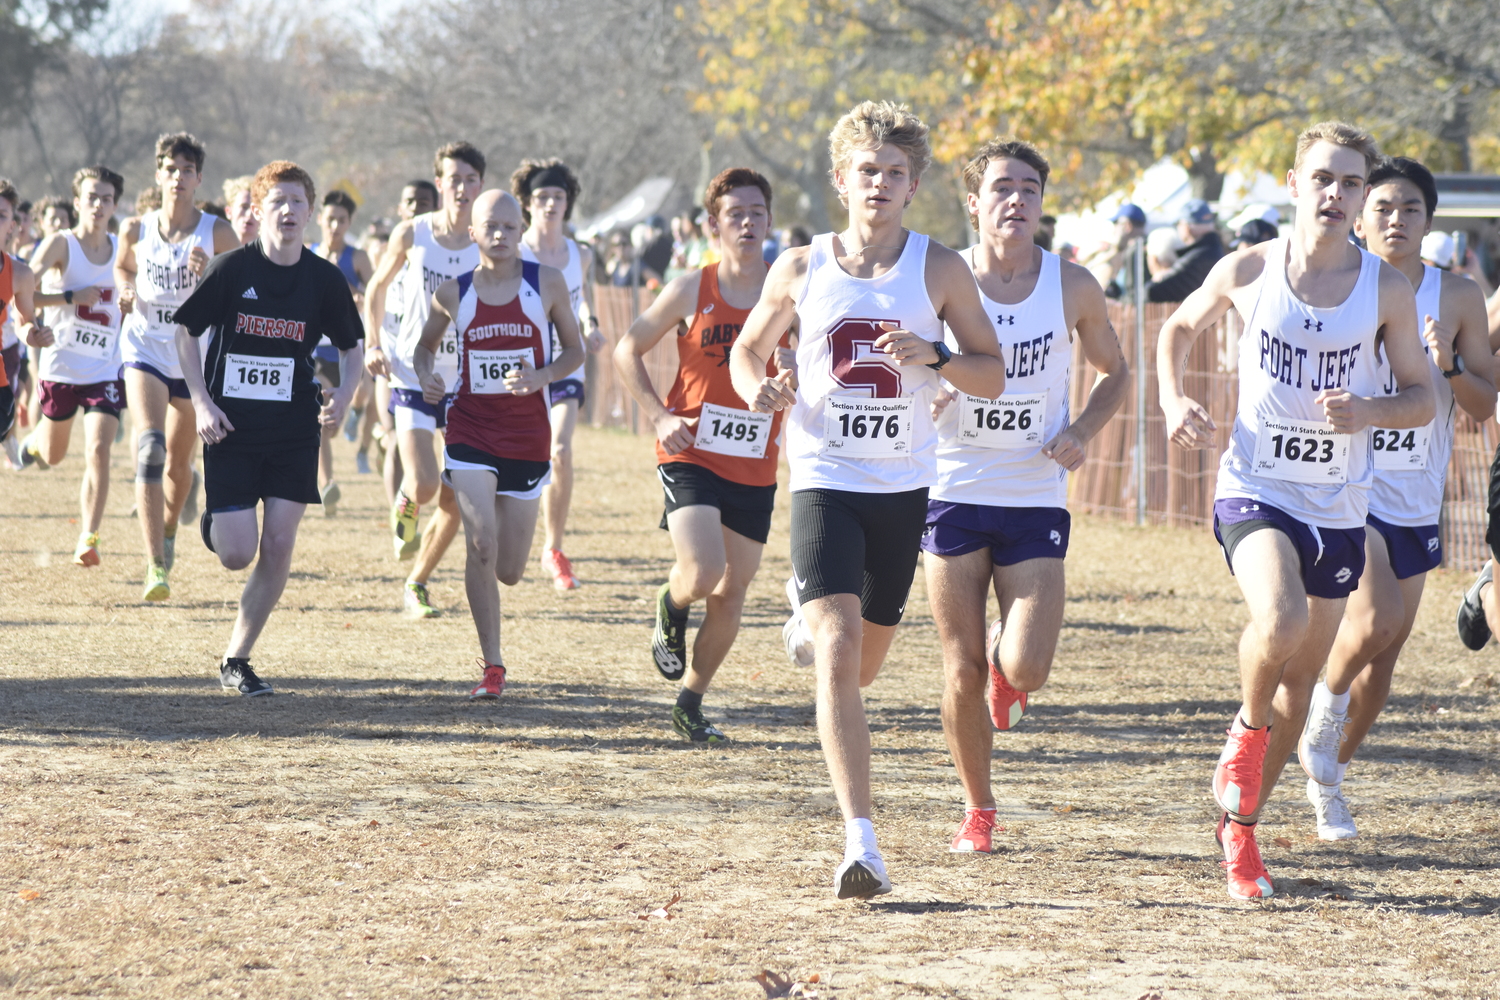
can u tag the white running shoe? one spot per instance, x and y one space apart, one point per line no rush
1318 748
1334 820
13 453
799 641
861 878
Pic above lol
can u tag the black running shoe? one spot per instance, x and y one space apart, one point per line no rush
236 674
205 524
1473 628
691 723
669 638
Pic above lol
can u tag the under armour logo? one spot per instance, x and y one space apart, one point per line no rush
1432 544
1002 320
1343 575
1056 537
455 260
1246 510
1308 324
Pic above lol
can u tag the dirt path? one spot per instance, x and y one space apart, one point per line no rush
367 833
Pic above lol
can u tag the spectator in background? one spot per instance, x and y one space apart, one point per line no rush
147 200
1108 263
1046 232
53 215
1199 229
1440 250
655 252
21 234
620 261
1252 232
797 236
213 208
1162 248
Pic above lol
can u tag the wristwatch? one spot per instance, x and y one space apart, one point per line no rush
1458 367
68 297
944 355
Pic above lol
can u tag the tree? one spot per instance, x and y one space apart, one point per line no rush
31 34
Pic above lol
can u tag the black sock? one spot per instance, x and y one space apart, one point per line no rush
689 700
1253 729
676 613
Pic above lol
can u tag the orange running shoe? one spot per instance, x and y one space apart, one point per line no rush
87 553
554 562
1237 778
1248 878
975 833
494 682
1007 705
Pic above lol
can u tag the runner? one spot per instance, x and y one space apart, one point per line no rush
497 452
258 407
334 220
240 209
18 286
80 359
870 304
998 514
1406 499
162 256
547 191
1317 312
716 460
437 248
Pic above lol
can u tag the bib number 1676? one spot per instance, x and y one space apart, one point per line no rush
870 425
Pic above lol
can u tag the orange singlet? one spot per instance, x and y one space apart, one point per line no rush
703 377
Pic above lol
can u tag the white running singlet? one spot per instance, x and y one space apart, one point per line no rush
428 265
861 423
572 273
86 345
162 283
1282 451
990 451
1408 490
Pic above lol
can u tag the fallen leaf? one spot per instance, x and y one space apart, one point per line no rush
813 978
1282 842
664 912
348 624
775 985
374 823
368 937
1062 809
30 894
1339 896
755 676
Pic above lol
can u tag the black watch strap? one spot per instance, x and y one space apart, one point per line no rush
1458 367
944 355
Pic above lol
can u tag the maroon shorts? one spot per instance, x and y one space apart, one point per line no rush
61 400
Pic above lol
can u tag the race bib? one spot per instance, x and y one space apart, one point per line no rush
1400 451
161 320
487 369
1301 451
88 340
867 428
1013 421
249 377
739 433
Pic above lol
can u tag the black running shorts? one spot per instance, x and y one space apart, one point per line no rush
234 479
745 510
858 543
1492 531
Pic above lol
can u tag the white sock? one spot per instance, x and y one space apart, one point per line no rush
1339 781
859 838
1338 702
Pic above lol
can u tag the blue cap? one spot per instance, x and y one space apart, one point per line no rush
1197 210
1131 212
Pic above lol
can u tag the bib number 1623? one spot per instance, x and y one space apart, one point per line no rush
1301 451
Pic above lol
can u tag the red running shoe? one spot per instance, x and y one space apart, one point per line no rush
1248 878
1237 777
974 834
554 562
1007 705
494 682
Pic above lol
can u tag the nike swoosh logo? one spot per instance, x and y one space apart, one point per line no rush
533 482
801 583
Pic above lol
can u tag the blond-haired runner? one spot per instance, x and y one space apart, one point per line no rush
162 256
716 459
870 304
499 438
239 208
436 248
80 358
1402 540
1318 311
998 515
547 190
245 337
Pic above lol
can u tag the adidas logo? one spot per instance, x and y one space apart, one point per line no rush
250 294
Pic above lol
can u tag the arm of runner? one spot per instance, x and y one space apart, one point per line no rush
379 284
213 425
756 345
588 322
54 253
1474 387
559 305
1412 405
1188 423
125 266
1101 348
24 295
1492 309
976 368
674 305
424 355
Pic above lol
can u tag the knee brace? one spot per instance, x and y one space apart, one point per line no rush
150 457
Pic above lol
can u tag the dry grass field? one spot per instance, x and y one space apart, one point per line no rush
367 833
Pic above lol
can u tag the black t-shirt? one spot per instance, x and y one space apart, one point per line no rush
265 320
